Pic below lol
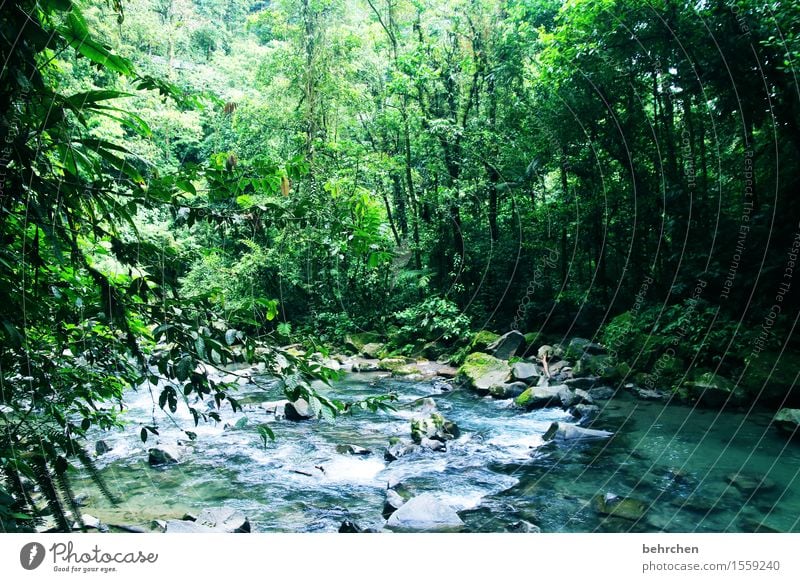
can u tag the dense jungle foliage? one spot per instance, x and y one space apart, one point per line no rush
191 183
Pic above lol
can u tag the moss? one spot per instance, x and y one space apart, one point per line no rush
394 365
480 371
523 399
357 341
482 340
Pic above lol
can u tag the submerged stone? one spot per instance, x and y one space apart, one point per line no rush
616 506
425 513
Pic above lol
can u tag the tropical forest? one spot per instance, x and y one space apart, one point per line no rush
399 266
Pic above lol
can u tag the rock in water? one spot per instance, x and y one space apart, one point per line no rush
224 519
506 345
163 455
481 371
217 520
616 506
714 391
424 513
435 427
601 393
392 503
298 410
352 450
570 432
350 527
525 372
787 420
101 447
585 412
544 396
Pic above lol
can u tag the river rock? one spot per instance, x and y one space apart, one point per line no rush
544 396
352 450
217 520
432 445
511 390
397 450
481 371
435 427
356 341
787 420
371 350
163 455
714 391
601 393
424 513
550 352
523 526
224 519
441 385
585 383
298 410
577 347
424 407
582 396
482 340
649 394
525 372
585 412
750 483
506 345
101 447
392 503
616 506
569 432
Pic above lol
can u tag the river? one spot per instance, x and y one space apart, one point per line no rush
678 461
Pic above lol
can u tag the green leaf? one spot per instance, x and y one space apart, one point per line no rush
143 435
76 33
200 346
230 336
266 433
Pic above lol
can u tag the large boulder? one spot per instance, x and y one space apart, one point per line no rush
372 350
506 345
481 371
525 372
585 383
788 420
298 410
424 513
397 450
356 341
600 365
714 391
544 396
163 455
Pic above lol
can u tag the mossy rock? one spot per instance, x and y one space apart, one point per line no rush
481 371
357 341
395 365
434 427
482 340
788 421
532 338
623 507
712 390
600 366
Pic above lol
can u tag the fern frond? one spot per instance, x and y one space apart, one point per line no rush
44 479
69 496
94 473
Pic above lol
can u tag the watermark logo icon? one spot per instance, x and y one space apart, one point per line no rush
31 555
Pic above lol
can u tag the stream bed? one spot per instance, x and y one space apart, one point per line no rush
692 469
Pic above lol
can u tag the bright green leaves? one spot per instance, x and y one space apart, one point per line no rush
77 35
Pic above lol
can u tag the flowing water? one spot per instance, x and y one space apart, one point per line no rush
677 460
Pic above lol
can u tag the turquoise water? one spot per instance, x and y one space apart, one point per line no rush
692 470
